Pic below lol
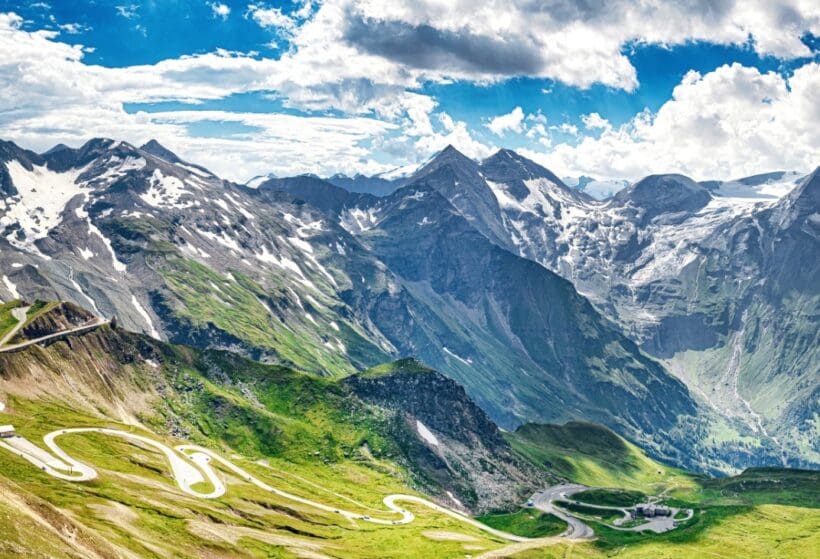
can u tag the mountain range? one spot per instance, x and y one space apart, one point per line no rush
681 314
682 267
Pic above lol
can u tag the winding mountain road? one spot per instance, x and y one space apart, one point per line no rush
96 323
191 465
578 529
543 501
198 466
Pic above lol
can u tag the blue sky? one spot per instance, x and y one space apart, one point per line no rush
343 85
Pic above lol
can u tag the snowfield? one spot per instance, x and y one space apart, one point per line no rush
578 237
40 203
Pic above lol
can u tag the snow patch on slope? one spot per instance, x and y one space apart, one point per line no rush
115 262
117 167
499 189
357 220
426 434
88 298
284 263
222 238
768 191
41 200
451 354
144 314
166 192
673 247
11 287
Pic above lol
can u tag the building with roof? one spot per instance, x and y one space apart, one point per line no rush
651 510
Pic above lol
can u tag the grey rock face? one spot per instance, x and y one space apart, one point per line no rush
448 438
664 194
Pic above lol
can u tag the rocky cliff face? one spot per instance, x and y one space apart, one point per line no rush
534 343
448 437
663 194
52 319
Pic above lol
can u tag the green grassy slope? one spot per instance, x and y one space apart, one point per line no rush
530 523
611 497
593 455
238 306
408 365
7 321
764 532
305 435
310 437
800 488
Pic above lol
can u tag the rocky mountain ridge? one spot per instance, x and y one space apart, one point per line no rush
300 272
675 262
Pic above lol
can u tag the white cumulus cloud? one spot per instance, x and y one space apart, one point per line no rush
578 43
220 10
272 17
48 96
734 121
595 121
512 121
370 61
